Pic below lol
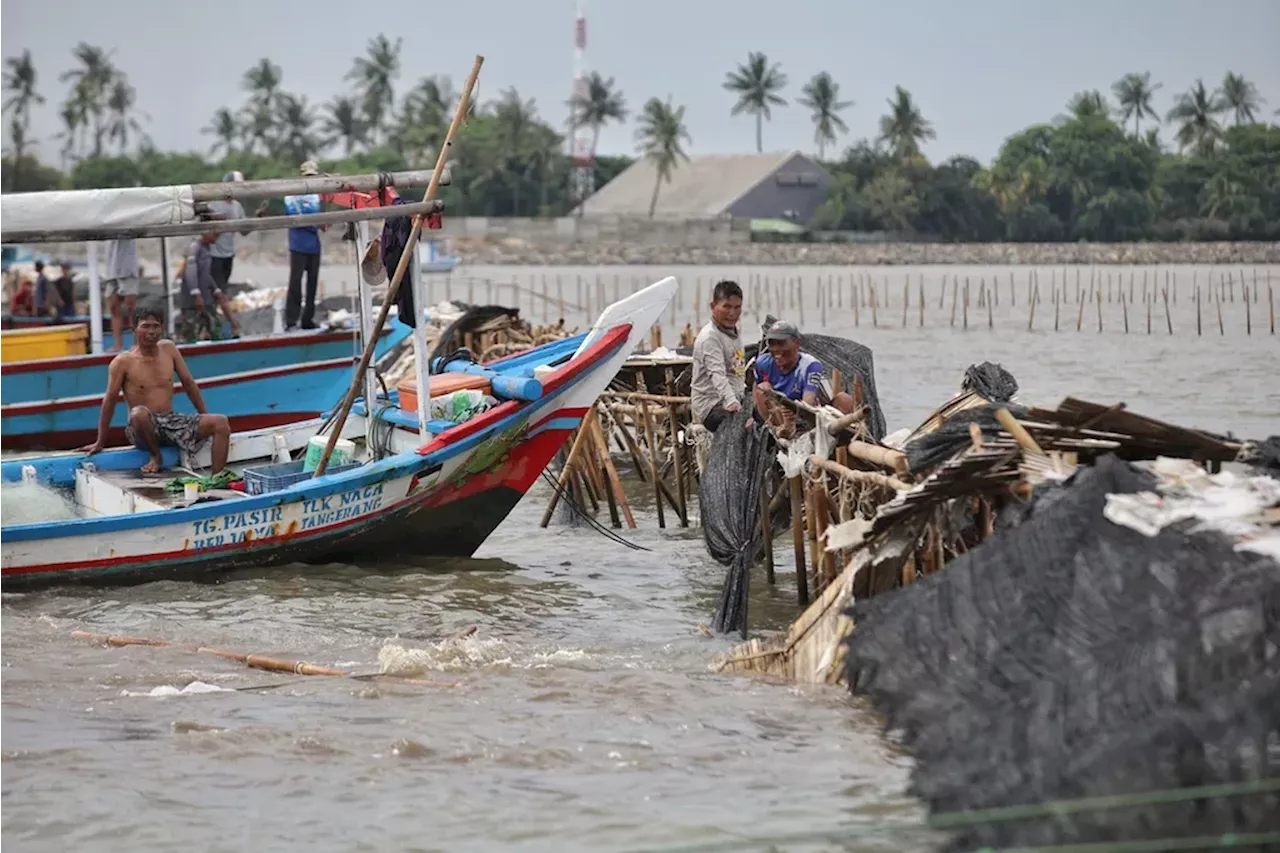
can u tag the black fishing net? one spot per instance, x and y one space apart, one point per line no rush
475 316
738 467
851 359
990 381
934 448
1268 454
1072 657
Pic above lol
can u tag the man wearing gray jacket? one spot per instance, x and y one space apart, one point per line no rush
719 362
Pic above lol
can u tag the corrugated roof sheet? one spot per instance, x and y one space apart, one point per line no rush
704 186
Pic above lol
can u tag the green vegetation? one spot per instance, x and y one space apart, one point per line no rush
1097 172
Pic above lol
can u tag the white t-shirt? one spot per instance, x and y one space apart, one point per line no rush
719 365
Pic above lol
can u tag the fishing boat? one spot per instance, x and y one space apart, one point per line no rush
411 487
412 484
52 403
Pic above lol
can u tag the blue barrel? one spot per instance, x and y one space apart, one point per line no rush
504 386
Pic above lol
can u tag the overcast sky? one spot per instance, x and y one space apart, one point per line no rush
979 70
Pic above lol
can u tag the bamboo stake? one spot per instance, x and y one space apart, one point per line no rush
612 473
1221 331
1168 318
1031 314
886 457
579 445
357 378
942 293
1099 310
766 529
1198 329
906 300
1017 430
1248 313
811 531
797 541
922 300
1080 312
954 287
1148 301
875 321
966 303
678 459
1124 308
1271 305
990 319
653 464
1057 301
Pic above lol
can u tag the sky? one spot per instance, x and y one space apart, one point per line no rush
979 70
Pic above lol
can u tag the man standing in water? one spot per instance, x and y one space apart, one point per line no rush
718 360
145 375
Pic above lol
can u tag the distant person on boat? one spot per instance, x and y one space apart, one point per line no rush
43 303
202 291
223 250
718 360
23 302
304 256
792 373
64 290
120 284
145 375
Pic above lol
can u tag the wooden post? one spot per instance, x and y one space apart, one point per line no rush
1148 315
1168 318
1100 309
652 441
1124 308
811 530
1013 292
875 321
797 541
990 320
1198 330
906 300
612 473
1248 314
954 287
579 444
942 293
1271 305
766 529
1221 330
677 455
357 378
1079 313
922 300
966 303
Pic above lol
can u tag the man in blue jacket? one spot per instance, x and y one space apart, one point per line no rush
304 256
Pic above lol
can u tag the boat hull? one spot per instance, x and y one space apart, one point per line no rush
76 376
254 399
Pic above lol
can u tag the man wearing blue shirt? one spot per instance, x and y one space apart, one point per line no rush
304 256
794 374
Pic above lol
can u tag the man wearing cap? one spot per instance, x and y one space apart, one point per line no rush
223 252
794 374
304 256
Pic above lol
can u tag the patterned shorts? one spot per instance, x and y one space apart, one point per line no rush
173 429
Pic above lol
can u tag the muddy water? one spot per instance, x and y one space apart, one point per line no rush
585 718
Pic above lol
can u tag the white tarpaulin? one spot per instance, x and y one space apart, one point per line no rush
74 210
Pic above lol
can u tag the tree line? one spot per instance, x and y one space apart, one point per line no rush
1100 171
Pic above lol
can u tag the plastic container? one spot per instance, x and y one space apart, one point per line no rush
441 384
273 478
458 407
44 342
342 454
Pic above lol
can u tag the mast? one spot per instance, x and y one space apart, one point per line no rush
582 177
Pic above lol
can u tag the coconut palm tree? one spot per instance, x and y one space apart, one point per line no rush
20 84
1133 93
596 106
225 130
822 95
1195 112
262 81
1089 104
904 128
296 121
422 123
757 84
343 123
122 112
660 135
73 118
375 74
1240 97
90 84
515 121
257 120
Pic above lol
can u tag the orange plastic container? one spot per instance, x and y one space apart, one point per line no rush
441 384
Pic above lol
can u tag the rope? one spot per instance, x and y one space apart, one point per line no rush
566 495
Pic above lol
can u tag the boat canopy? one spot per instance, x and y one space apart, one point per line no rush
73 210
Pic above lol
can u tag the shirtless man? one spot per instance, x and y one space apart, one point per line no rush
145 375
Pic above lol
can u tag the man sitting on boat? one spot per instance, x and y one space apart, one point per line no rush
792 373
718 360
145 375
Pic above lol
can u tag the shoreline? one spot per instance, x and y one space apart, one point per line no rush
271 248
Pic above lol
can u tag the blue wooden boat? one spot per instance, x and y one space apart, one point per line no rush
439 495
258 382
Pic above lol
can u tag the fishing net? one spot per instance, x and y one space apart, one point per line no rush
738 467
851 359
934 448
990 381
1072 657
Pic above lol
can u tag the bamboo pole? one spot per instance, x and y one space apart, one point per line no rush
966 303
859 477
886 457
922 300
1017 430
312 184
1168 318
906 301
253 661
357 378
990 319
811 531
875 321
1248 313
575 450
677 456
612 473
652 441
766 530
955 285
1124 308
1099 310
797 541
1057 301
1271 305
1198 328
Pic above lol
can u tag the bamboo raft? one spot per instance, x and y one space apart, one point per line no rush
894 529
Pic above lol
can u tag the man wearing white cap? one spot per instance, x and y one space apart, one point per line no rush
304 256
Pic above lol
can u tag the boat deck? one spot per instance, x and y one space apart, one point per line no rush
125 492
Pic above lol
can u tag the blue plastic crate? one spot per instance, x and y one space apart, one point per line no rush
273 478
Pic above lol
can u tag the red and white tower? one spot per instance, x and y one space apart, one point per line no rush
582 176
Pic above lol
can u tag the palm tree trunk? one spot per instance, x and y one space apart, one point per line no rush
759 133
653 203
